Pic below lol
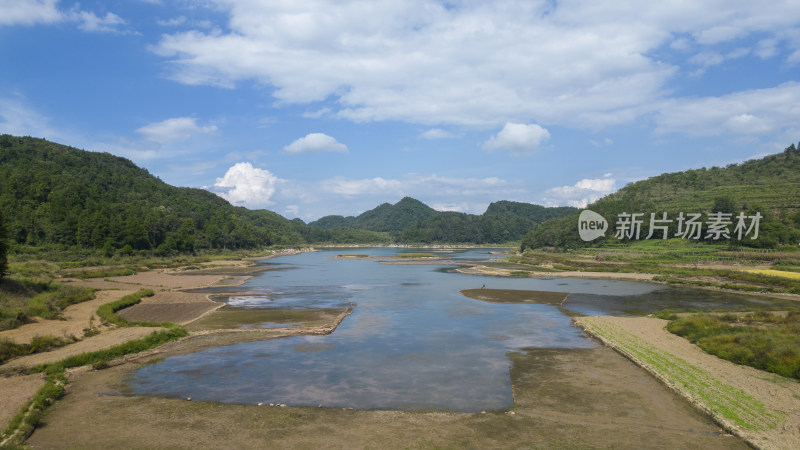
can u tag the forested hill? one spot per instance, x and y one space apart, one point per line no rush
54 195
411 221
57 197
770 185
385 217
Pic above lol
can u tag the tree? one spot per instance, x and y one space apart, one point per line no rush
3 249
724 205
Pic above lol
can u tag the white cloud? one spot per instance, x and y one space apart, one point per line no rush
593 64
518 138
315 143
414 184
32 12
245 185
89 21
707 59
175 129
452 207
581 193
759 111
28 12
436 133
372 186
174 22
17 118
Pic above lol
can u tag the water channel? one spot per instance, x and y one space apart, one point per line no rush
413 341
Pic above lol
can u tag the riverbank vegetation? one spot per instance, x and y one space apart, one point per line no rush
679 262
769 186
763 340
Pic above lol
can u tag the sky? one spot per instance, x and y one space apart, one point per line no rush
312 108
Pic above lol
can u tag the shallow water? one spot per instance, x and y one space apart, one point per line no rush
413 342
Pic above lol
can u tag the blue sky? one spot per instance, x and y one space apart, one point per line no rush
310 108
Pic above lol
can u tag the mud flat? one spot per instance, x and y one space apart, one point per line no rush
760 407
538 272
166 305
564 398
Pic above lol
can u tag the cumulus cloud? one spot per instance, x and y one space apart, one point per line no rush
469 63
414 184
32 12
89 21
750 112
175 129
348 187
245 185
518 138
581 193
29 12
316 143
436 133
18 118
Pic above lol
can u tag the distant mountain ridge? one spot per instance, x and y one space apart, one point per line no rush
56 197
770 186
410 220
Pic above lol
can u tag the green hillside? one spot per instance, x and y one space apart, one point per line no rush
770 186
411 221
384 218
54 195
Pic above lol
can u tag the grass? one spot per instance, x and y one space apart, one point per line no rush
776 273
417 255
23 297
721 401
232 318
103 273
678 261
108 311
23 424
761 340
515 296
10 349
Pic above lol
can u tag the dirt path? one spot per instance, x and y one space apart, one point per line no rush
759 406
15 392
77 318
100 342
485 270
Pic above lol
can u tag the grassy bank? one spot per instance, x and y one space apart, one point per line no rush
36 288
678 261
23 424
729 405
23 297
762 340
10 349
108 311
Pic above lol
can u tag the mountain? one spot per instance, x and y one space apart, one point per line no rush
769 186
57 197
384 218
411 221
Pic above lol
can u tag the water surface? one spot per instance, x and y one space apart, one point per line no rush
413 342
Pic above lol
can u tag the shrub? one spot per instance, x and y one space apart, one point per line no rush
761 340
108 311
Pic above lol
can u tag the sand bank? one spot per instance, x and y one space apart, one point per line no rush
761 407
